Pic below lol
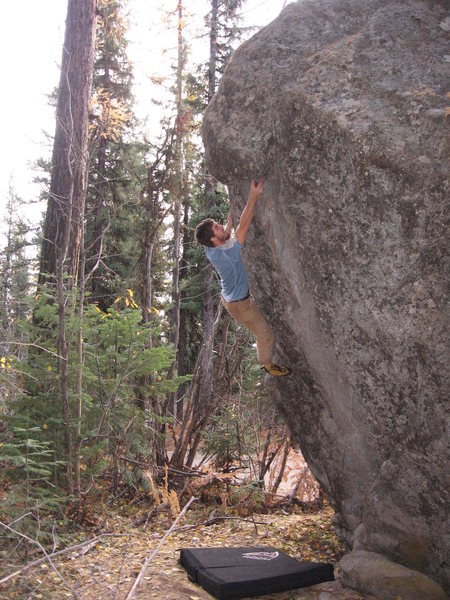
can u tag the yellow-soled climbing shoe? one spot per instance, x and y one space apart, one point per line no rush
276 370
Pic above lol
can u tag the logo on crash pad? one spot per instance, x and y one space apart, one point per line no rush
260 555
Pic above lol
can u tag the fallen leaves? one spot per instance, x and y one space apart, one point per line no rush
109 568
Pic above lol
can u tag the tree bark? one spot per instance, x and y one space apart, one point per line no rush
65 209
101 186
183 325
178 203
62 235
279 478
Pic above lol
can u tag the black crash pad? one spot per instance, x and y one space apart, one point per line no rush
229 573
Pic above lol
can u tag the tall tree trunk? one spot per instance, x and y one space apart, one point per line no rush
177 210
99 217
196 406
178 203
79 390
63 226
209 303
151 224
65 209
212 50
100 189
183 328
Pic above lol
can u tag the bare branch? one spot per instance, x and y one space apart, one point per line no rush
47 557
59 553
136 584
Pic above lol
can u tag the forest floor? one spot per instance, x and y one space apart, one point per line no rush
107 569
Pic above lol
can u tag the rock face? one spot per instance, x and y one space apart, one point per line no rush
340 106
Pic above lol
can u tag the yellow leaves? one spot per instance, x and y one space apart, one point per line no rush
174 504
111 116
117 561
169 497
128 299
165 489
154 490
5 363
157 79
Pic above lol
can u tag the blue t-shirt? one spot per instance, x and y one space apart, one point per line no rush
227 261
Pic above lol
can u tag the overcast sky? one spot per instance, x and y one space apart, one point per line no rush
31 47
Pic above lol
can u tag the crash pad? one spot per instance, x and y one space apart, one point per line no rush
229 573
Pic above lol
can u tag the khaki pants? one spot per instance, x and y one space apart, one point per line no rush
248 314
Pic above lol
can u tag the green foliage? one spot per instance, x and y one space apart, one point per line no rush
250 496
118 356
221 439
119 389
119 367
14 267
29 463
117 171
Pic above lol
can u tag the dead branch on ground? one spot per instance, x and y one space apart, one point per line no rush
37 562
47 556
136 584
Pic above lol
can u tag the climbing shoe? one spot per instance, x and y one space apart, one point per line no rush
276 370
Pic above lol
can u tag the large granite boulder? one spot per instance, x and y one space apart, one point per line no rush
341 106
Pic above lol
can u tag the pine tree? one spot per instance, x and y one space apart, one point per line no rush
14 270
15 287
117 161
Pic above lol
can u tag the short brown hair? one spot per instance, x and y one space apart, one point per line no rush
204 232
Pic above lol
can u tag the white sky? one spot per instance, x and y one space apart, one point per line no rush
31 48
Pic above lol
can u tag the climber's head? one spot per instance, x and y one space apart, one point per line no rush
211 234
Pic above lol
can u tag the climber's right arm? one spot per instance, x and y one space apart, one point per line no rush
255 194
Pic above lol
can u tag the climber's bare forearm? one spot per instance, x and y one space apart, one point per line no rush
229 225
245 221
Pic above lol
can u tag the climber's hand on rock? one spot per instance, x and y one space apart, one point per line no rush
256 188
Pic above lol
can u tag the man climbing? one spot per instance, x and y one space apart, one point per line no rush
223 250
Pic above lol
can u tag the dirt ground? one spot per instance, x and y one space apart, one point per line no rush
109 569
